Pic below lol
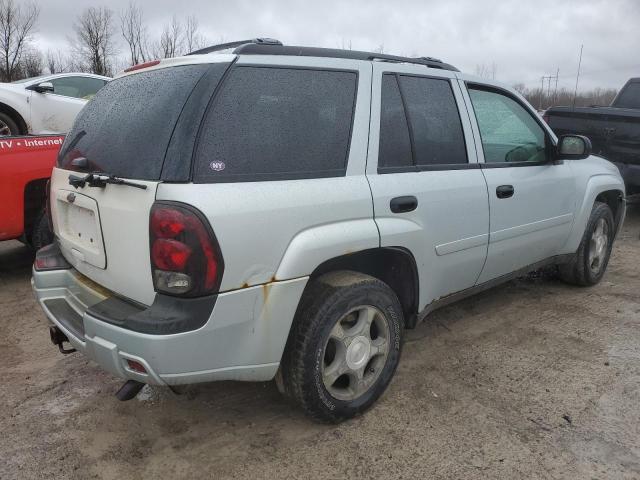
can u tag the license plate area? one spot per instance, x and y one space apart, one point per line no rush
78 222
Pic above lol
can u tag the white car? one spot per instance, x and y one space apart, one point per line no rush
47 104
285 212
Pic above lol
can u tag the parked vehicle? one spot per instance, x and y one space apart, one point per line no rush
47 104
614 131
287 211
25 168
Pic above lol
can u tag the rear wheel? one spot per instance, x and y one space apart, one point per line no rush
344 346
8 126
588 265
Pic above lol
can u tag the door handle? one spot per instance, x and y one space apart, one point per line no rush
505 191
403 204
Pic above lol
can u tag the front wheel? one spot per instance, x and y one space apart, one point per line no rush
588 265
344 345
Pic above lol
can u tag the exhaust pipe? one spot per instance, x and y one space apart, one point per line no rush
129 390
58 338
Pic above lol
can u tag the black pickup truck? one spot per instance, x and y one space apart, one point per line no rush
614 131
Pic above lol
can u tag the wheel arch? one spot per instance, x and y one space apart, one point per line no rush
615 199
15 115
603 187
34 200
395 266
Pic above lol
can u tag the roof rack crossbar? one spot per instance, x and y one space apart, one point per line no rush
226 46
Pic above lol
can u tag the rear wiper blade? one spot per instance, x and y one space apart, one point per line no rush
100 181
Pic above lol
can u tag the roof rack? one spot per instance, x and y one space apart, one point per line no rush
227 46
270 46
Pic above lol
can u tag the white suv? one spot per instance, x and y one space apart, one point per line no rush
285 212
47 104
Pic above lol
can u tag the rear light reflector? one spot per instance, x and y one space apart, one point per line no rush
136 366
185 255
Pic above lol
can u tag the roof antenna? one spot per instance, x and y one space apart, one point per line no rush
575 93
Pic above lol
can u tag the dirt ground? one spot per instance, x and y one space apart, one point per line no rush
533 379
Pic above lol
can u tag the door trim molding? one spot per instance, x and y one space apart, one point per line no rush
462 244
517 231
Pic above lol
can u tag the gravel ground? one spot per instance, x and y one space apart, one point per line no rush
533 379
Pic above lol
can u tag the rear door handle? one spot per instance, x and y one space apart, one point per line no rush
505 191
403 204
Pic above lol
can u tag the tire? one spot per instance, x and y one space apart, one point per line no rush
8 125
41 234
345 321
588 265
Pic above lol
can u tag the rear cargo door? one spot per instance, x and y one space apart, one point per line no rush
104 233
125 131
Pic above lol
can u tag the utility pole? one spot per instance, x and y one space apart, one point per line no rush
575 93
548 79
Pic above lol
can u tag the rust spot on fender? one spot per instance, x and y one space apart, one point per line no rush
245 285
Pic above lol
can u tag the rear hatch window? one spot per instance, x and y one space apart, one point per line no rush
126 128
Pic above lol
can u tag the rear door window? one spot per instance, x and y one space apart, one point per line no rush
435 122
126 128
272 123
395 142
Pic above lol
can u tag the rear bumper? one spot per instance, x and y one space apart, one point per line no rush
243 338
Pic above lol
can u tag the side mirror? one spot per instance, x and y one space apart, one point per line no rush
43 87
573 147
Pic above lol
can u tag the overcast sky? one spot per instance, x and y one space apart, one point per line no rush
525 39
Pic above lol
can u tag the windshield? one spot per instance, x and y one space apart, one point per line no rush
126 127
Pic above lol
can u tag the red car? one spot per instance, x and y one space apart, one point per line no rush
25 168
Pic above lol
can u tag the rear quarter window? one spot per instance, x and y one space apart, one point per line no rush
629 97
126 128
273 123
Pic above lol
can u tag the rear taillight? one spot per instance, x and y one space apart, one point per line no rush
185 255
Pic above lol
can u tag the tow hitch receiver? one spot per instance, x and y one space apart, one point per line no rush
58 338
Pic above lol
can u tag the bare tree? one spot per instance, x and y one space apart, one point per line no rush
57 62
192 38
94 39
31 64
17 23
487 71
134 32
520 88
171 39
